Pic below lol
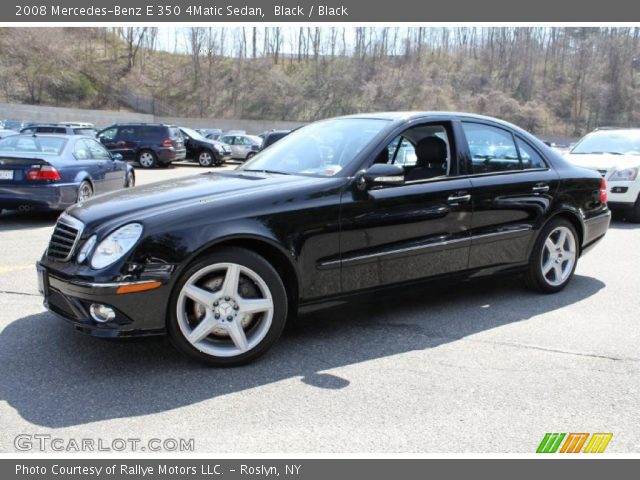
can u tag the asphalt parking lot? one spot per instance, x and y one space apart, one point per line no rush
479 367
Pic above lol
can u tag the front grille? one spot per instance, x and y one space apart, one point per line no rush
64 238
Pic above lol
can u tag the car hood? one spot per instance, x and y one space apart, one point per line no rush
144 202
603 161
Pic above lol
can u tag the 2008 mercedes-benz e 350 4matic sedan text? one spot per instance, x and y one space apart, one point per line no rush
219 261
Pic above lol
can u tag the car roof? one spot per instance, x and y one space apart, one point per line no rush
48 125
52 134
617 129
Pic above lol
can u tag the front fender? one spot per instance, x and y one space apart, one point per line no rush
181 248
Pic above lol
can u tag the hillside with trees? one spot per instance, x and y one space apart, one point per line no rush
563 81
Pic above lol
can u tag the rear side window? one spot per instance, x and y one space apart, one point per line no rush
149 132
530 158
492 149
84 131
175 133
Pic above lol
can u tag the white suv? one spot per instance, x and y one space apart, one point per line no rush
615 153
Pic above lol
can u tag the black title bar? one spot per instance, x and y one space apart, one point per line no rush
361 11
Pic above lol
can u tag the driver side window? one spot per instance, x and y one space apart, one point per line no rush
422 151
109 134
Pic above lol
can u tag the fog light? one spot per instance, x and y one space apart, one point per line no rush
102 313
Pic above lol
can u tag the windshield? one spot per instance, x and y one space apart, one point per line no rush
618 142
322 148
193 134
13 125
33 144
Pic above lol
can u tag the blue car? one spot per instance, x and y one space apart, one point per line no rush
52 172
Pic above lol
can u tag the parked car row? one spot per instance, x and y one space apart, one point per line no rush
158 145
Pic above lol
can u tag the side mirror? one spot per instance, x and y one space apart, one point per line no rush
116 157
380 175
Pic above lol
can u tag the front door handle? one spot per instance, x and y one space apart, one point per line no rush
541 188
457 198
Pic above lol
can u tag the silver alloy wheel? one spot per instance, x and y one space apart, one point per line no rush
558 256
146 159
205 159
228 324
84 192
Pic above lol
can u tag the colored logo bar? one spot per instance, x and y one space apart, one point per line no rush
573 442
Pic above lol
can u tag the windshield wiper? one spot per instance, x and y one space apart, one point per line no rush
262 170
597 153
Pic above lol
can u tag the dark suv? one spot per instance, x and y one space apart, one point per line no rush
53 128
150 144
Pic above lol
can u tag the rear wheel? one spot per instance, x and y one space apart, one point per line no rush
205 158
228 308
130 181
147 159
85 191
554 257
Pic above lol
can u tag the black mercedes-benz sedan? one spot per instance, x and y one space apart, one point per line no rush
356 204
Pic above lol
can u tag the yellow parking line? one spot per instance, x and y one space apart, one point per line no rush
14 268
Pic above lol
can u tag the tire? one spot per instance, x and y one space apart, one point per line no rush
553 261
235 331
85 191
130 180
206 158
147 159
250 155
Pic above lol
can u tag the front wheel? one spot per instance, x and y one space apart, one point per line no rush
228 308
554 257
250 155
205 158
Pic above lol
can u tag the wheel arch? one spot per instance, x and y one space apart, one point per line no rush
574 217
82 176
276 255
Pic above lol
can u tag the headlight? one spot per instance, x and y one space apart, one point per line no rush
626 174
219 148
86 248
116 245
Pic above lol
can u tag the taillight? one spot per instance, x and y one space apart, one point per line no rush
167 143
603 191
46 172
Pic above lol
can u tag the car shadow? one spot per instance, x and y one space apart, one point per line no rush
15 220
621 224
55 377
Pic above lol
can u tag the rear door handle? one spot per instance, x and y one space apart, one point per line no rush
540 188
457 198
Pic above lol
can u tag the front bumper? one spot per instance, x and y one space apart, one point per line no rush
622 194
42 197
137 314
